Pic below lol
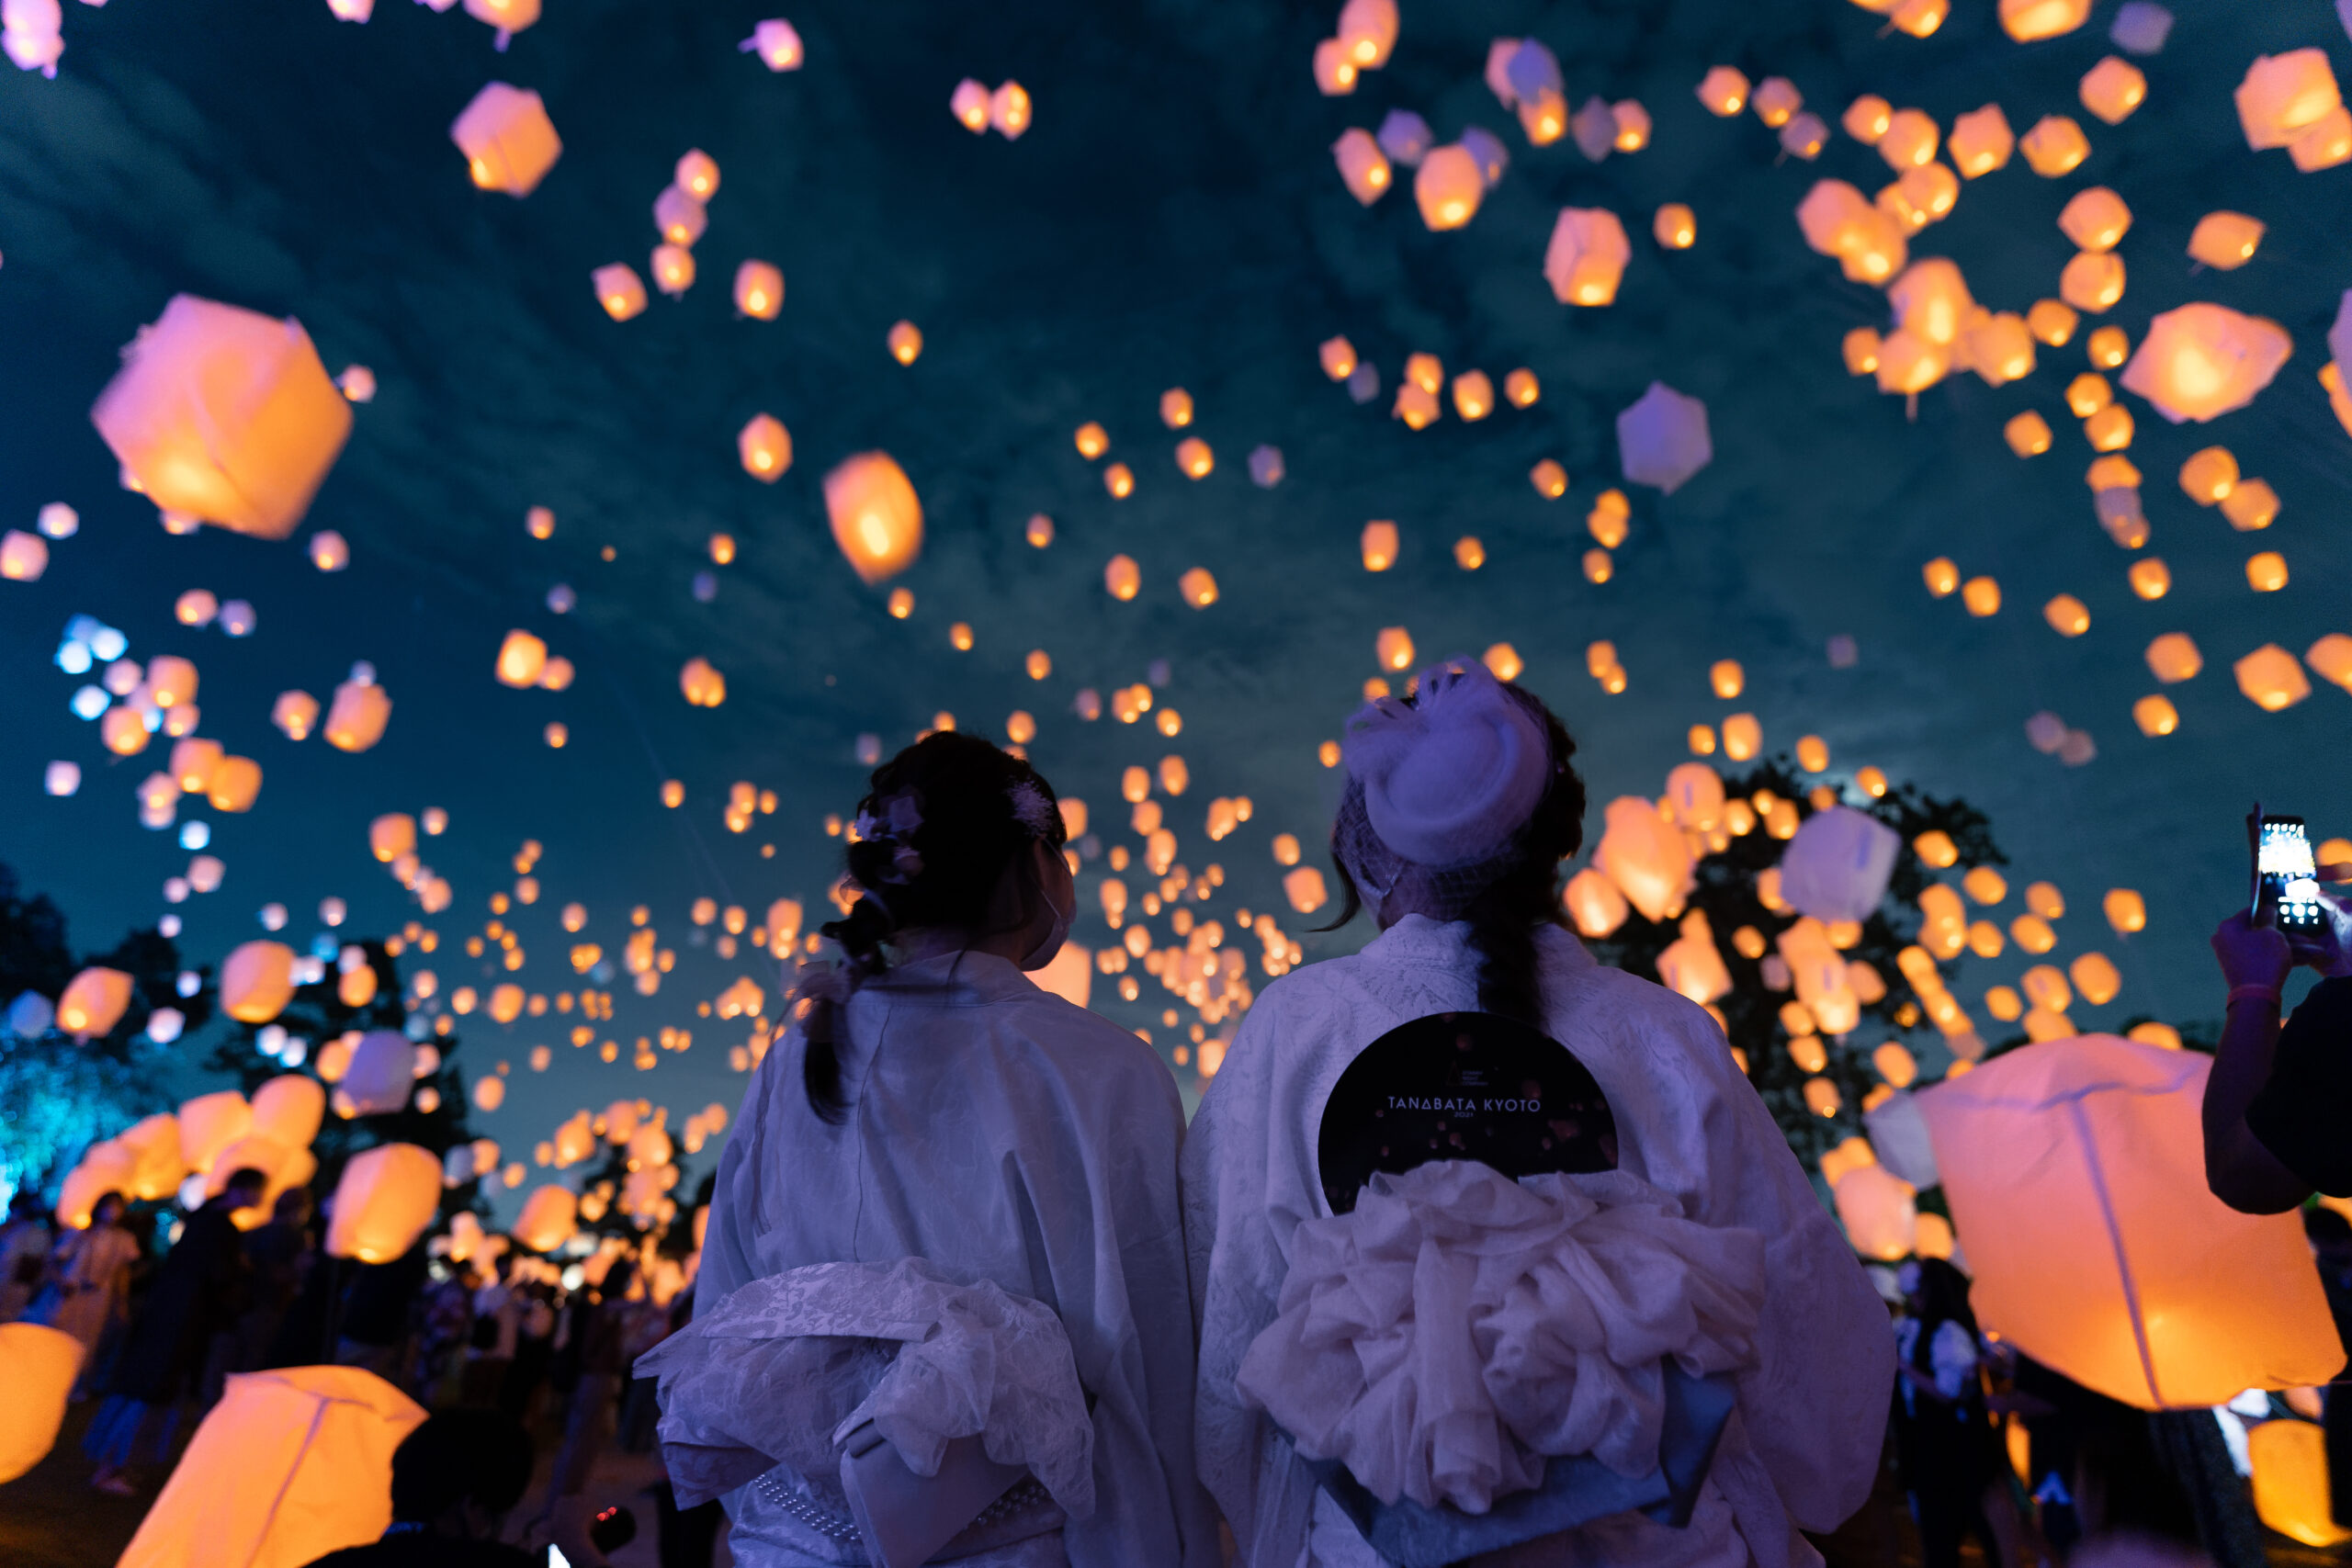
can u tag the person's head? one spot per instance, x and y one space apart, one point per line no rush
1460 804
26 1207
1939 1293
292 1208
244 1187
461 1472
109 1209
617 1280
957 845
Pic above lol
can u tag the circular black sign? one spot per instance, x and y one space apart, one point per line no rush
1462 1086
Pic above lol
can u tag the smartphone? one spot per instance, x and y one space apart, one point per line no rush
2286 878
556 1559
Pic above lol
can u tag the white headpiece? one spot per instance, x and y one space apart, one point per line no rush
1450 777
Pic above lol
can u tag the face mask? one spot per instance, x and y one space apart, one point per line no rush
1042 954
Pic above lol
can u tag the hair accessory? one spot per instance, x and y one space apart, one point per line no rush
901 818
1032 810
1450 775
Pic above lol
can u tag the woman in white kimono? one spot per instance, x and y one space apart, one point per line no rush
1461 804
932 1102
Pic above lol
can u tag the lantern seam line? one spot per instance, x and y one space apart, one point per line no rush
269 1520
2115 1239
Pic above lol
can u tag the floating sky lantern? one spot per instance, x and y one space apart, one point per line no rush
702 684
2203 360
1586 257
2055 146
226 415
1364 168
2113 88
1447 187
508 140
764 447
1981 141
759 289
257 981
2285 97
1662 439
778 44
2029 21
388 1195
618 289
2271 679
356 720
876 517
93 1002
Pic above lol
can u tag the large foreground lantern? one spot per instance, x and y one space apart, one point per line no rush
2203 360
2075 1173
224 414
388 1195
288 1108
876 517
41 1364
288 1466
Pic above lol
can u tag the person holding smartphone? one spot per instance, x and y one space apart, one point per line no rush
2277 1099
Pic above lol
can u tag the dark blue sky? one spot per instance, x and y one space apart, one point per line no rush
1171 220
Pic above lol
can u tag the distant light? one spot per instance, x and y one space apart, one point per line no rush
273 917
73 657
63 778
195 835
706 587
89 702
189 982
60 521
296 1050
271 1039
169 925
105 641
560 599
237 618
163 1025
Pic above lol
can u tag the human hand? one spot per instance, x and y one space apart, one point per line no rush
2251 954
2328 949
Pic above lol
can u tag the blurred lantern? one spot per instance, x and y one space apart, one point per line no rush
2096 979
1122 578
2028 433
2113 88
2265 572
392 836
1837 865
257 981
522 658
509 16
1675 227
1594 903
1691 967
673 269
2095 219
209 1123
2051 323
764 447
1838 221
1724 90
2271 679
1198 587
1379 545
697 174
2201 360
2092 281
1646 856
2029 21
1981 141
1448 187
1193 456
388 1195
1662 438
679 216
1866 118
2291 1480
2225 241
1364 168
876 519
356 720
23 556
1999 348
1931 301
508 140
904 340
2076 1170
1474 395
93 1002
2331 659
1304 888
759 290
2055 146
42 1364
156 1167
702 684
618 289
776 43
2251 504
1367 32
1009 110
1586 255
1909 141
290 1465
1879 1212
970 104
1394 648
2067 615
2285 97
288 1109
1337 356
225 415
379 1074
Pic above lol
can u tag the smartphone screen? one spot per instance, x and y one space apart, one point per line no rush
2289 876
556 1559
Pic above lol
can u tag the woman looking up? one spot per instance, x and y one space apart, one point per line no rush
931 1103
1460 806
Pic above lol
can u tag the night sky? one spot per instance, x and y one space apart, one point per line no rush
1171 220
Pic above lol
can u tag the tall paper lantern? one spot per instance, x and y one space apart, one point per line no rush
1594 903
381 1073
210 1123
1586 256
156 1167
356 720
42 1363
288 1466
1646 856
1877 1208
875 515
2075 1172
550 1215
224 414
289 1107
1837 865
257 981
2203 360
2290 1484
388 1195
508 140
93 1002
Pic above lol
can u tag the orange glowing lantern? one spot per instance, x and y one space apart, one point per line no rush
508 140
876 517
764 447
257 981
618 289
759 289
2200 361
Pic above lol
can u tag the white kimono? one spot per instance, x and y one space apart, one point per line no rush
1804 1444
1006 1136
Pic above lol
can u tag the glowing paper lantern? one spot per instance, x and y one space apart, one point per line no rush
618 289
776 43
1662 439
1691 967
508 140
225 415
1646 856
1878 1210
210 1123
1304 888
288 1109
1981 141
156 1168
1364 168
759 290
1594 903
1838 221
2271 679
2076 1170
1586 255
2225 241
2113 88
2202 360
877 518
2029 21
1447 187
2055 146
1837 865
42 1363
380 1074
257 981
549 1216
288 1466
2291 1480
23 556
2285 96
388 1195
356 720
2095 218
521 659
93 1002
765 447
